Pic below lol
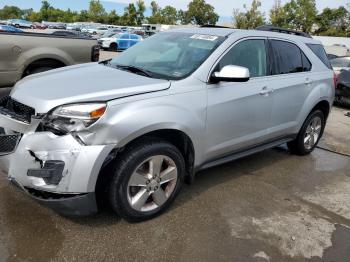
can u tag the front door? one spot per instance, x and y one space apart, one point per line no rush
239 113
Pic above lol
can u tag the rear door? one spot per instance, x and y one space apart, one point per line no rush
134 39
291 82
124 41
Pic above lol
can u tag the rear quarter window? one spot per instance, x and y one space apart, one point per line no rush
319 51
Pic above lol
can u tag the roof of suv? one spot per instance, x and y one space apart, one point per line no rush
226 32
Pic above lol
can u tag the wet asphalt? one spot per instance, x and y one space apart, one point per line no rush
272 206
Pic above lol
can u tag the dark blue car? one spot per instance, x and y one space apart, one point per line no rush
9 28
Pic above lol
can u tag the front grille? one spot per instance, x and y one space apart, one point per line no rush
16 110
8 143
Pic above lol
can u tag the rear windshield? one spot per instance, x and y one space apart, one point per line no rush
321 53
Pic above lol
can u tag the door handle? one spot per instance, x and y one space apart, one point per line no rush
266 91
308 82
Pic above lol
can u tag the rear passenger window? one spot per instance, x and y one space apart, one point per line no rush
288 58
321 54
250 54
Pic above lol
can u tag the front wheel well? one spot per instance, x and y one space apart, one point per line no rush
175 137
45 62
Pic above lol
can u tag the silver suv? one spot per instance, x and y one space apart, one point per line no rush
131 130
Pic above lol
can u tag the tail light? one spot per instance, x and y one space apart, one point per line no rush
335 80
95 53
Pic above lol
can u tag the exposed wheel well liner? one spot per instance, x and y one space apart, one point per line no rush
45 62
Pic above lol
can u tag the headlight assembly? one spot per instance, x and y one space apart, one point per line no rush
75 117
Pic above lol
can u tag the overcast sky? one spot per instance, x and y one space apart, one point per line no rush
225 7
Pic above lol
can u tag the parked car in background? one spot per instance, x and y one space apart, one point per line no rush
10 29
57 26
340 63
97 30
342 92
129 131
40 26
106 40
121 41
72 34
20 23
23 54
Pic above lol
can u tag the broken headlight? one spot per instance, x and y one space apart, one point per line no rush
73 118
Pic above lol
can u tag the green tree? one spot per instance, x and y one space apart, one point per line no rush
130 16
169 15
140 10
97 13
200 13
250 18
300 14
277 15
113 18
10 12
333 22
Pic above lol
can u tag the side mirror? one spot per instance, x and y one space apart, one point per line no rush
231 73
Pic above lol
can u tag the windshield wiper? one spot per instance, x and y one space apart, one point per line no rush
135 69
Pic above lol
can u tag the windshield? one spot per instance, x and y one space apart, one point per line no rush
169 55
340 62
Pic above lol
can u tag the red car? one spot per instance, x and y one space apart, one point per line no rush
40 26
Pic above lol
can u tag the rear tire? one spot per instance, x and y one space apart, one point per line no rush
309 134
139 190
113 47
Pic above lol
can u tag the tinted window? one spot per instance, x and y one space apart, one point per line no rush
124 37
134 37
250 54
321 54
306 62
287 58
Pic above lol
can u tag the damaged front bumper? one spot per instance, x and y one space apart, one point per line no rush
58 171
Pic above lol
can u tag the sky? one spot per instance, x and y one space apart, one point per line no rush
222 7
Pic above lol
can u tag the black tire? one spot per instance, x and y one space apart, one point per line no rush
124 167
113 47
297 146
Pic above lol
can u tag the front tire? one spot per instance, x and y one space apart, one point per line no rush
309 134
146 180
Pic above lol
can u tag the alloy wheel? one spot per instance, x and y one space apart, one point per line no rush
313 132
152 183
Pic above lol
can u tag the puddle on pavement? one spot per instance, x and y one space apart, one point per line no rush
340 249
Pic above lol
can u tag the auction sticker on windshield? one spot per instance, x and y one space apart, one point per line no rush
204 37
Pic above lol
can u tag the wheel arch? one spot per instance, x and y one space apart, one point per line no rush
41 62
176 137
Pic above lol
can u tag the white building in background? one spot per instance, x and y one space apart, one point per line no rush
339 46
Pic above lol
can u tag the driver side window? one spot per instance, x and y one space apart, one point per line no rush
250 54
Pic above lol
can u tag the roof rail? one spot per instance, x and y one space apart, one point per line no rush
271 28
215 26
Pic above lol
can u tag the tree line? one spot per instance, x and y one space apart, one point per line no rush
198 12
300 15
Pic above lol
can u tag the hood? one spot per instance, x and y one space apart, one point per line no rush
107 39
82 83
